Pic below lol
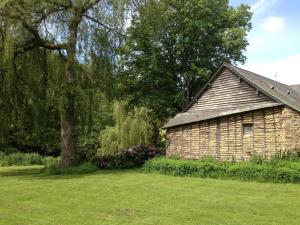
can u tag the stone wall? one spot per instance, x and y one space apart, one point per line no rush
291 125
274 131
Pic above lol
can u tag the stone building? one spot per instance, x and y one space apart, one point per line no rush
238 113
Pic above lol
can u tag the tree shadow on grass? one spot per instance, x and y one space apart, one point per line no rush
29 173
98 173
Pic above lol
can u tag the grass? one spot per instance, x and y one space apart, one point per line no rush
133 197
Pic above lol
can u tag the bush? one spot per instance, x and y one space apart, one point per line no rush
84 168
8 149
130 158
274 170
24 159
49 160
21 159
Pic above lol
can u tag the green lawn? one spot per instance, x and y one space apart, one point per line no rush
132 197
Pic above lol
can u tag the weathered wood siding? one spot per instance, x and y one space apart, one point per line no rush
228 91
223 138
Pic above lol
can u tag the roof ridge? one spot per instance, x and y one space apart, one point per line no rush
276 90
264 77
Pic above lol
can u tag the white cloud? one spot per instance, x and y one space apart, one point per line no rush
262 5
286 70
273 24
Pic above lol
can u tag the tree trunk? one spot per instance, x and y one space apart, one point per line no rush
68 138
69 155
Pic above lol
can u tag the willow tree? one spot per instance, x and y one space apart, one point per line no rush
3 109
67 27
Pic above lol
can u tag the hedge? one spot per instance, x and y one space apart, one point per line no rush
25 159
276 170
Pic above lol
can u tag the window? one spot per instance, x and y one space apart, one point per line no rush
248 129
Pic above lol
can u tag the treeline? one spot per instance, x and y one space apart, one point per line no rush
100 76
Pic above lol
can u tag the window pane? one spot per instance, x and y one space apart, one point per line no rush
248 129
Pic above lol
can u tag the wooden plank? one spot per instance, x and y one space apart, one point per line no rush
227 91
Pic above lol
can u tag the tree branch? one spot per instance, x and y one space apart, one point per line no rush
40 41
103 25
37 38
89 4
58 3
49 13
99 23
29 45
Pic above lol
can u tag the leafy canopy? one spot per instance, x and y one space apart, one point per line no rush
174 45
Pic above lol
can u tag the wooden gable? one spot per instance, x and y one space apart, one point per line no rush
227 90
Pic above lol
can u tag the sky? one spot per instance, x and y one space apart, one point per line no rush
274 41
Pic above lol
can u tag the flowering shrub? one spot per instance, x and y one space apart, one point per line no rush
133 157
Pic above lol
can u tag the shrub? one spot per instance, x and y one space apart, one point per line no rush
2 157
88 145
84 168
274 170
24 159
50 160
21 159
130 158
8 149
258 159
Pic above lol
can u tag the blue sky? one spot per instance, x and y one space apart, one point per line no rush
274 41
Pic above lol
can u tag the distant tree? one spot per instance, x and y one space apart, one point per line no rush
130 129
66 27
174 45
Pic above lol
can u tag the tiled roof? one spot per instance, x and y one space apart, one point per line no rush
288 95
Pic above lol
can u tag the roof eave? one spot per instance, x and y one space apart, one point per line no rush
232 112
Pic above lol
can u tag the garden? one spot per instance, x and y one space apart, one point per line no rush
85 87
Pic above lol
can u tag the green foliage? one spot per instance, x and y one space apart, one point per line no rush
130 158
62 46
275 170
83 168
131 128
31 94
156 65
163 140
173 46
32 100
49 160
8 149
95 116
25 159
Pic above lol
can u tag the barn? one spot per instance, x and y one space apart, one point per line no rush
237 114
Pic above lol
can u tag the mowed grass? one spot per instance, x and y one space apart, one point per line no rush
133 197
